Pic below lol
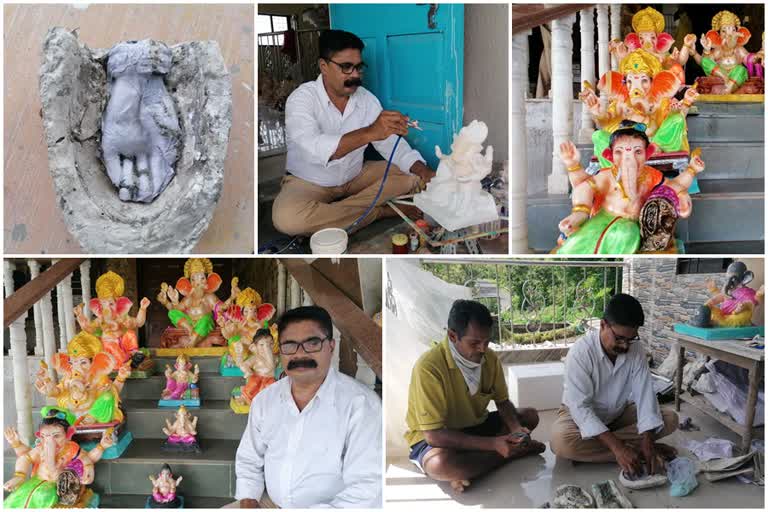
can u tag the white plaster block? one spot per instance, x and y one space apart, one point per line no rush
536 385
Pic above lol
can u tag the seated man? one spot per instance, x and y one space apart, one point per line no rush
313 439
603 370
451 434
329 122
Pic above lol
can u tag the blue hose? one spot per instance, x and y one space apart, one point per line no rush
381 188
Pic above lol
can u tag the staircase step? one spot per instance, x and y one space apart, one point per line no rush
714 218
209 474
212 387
139 500
216 419
727 122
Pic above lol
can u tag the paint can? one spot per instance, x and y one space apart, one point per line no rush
399 244
329 241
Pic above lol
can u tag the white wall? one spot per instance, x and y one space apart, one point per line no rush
486 72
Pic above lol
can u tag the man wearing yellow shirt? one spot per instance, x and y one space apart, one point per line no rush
452 435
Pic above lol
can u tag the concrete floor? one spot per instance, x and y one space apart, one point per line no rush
530 482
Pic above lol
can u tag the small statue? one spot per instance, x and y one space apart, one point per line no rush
84 385
734 304
60 469
240 321
455 197
658 219
164 490
194 313
181 384
258 366
641 91
113 325
648 25
724 54
182 434
606 206
140 134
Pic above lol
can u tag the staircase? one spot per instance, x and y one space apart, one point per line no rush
209 478
728 212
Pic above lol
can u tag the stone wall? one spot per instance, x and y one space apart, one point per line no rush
668 297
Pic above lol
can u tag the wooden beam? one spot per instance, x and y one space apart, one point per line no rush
528 16
26 296
351 321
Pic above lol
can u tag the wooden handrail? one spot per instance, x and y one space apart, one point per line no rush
352 322
528 16
28 295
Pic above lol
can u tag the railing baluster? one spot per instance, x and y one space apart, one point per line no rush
85 283
46 317
63 340
587 18
280 288
295 298
518 166
615 31
562 98
603 55
37 311
22 392
69 306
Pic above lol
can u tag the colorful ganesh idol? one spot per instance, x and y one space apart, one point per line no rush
86 390
725 59
181 384
734 303
239 323
56 471
644 93
193 314
607 205
114 326
164 490
259 365
649 35
182 433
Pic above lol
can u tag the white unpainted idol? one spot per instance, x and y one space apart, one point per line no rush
454 197
140 131
77 109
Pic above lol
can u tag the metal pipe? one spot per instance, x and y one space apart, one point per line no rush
526 262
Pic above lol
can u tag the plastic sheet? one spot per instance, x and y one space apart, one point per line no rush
731 399
712 448
682 477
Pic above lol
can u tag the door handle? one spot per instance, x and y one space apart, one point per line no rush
431 23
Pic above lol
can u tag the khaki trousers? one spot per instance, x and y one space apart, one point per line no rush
566 438
301 207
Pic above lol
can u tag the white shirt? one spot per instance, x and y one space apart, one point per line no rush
328 455
314 127
597 390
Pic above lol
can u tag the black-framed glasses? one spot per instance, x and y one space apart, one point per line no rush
309 346
348 67
623 339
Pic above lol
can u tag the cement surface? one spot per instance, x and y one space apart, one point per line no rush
530 482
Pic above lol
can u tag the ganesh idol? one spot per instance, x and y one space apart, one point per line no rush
112 323
607 206
191 305
642 92
734 303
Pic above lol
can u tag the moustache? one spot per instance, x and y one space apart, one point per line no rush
353 82
302 363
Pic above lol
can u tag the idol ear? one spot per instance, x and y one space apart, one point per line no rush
608 154
748 277
651 150
123 305
95 306
70 432
214 282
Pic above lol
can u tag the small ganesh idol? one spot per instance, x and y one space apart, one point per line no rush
56 471
734 303
239 323
114 326
258 363
182 433
181 384
164 490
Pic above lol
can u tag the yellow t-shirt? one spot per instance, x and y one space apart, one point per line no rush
438 396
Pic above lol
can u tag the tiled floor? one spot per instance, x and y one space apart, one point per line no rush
530 482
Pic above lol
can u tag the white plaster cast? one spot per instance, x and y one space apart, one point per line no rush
454 197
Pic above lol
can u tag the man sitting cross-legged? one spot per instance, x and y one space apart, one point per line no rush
451 434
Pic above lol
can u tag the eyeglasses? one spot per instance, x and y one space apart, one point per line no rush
347 67
309 346
622 339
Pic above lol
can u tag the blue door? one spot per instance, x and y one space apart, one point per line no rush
415 57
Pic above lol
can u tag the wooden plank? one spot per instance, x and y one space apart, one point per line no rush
351 321
25 297
528 16
34 223
704 406
731 351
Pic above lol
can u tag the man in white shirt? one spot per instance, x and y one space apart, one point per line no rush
610 411
313 439
329 122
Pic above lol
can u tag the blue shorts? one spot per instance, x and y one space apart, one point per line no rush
492 426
